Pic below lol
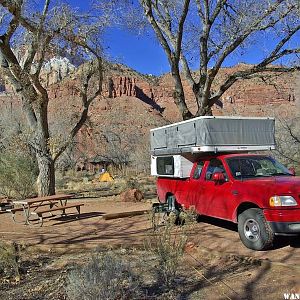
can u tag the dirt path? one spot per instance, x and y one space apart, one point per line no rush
222 236
216 252
91 231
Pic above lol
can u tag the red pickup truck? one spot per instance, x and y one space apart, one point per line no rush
255 191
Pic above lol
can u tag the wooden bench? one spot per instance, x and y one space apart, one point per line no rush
60 208
14 210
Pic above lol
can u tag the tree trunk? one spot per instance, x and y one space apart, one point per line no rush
204 109
184 111
46 178
178 95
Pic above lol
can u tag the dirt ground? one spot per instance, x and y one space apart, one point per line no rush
216 264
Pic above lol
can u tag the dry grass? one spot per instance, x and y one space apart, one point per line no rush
9 260
106 276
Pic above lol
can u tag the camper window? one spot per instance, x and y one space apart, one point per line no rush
165 165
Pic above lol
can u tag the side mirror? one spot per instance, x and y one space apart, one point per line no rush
218 177
292 171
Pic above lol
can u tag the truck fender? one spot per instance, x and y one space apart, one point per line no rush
241 208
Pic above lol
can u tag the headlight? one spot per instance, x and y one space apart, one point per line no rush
282 201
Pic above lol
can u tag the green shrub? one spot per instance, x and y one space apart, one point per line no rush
18 174
105 277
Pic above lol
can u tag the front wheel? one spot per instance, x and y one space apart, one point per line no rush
254 230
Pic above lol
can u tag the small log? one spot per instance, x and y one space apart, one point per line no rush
125 214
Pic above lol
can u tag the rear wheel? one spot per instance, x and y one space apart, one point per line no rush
254 230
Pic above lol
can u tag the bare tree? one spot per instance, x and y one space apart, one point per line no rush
297 92
30 35
288 141
215 30
287 131
118 145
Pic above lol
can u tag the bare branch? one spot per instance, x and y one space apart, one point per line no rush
275 55
187 71
36 43
147 5
180 27
15 9
247 74
220 4
86 101
242 37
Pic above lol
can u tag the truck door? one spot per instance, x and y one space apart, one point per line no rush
217 197
195 186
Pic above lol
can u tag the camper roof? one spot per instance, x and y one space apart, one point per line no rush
214 134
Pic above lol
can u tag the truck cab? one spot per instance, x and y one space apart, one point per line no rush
253 190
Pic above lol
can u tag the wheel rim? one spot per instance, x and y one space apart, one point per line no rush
251 230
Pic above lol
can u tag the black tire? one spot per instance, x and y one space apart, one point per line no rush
254 230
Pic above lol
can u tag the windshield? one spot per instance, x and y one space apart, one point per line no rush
256 166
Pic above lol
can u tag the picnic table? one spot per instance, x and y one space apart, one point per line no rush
33 206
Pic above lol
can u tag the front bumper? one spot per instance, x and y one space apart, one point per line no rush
286 221
285 227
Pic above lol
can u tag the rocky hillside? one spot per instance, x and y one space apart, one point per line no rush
258 96
133 103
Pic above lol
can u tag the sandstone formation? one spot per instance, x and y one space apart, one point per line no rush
274 90
121 82
121 86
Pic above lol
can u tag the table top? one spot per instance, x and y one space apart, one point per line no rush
43 199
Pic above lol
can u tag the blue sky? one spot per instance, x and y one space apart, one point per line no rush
142 53
145 55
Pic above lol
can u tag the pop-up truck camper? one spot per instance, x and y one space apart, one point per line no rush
221 167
